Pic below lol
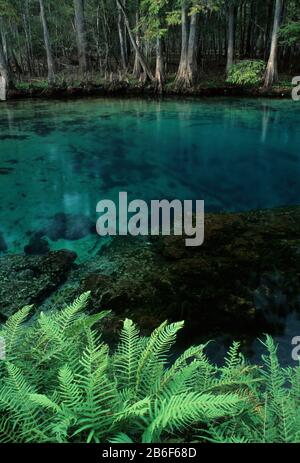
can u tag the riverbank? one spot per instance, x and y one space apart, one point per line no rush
127 89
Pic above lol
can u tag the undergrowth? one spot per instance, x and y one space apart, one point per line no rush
59 382
247 73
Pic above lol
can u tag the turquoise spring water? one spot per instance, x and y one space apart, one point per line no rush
62 157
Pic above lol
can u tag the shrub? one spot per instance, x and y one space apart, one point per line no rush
60 383
248 72
290 33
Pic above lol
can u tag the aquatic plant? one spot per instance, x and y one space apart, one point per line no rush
60 383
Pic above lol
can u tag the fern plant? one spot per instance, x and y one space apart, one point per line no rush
61 383
247 72
173 393
275 414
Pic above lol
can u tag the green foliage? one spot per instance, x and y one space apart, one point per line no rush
173 14
37 84
274 416
205 6
290 33
153 17
60 383
247 72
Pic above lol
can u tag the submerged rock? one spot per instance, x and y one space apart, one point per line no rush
244 278
3 245
37 246
213 287
68 227
30 279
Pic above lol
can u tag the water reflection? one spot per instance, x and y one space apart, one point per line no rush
65 157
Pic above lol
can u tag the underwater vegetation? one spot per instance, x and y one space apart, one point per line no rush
59 382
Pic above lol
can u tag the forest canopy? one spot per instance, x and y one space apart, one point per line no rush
184 41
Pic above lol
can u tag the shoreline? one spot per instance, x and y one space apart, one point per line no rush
123 89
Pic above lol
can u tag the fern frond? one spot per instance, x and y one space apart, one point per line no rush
69 391
184 409
44 402
121 438
127 355
154 356
68 316
12 331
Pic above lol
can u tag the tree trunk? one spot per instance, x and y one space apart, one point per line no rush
81 37
160 65
271 75
122 39
137 68
141 58
188 67
184 43
192 65
4 68
28 37
243 18
50 61
231 28
4 42
3 64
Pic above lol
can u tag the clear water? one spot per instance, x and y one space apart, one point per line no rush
63 157
66 156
